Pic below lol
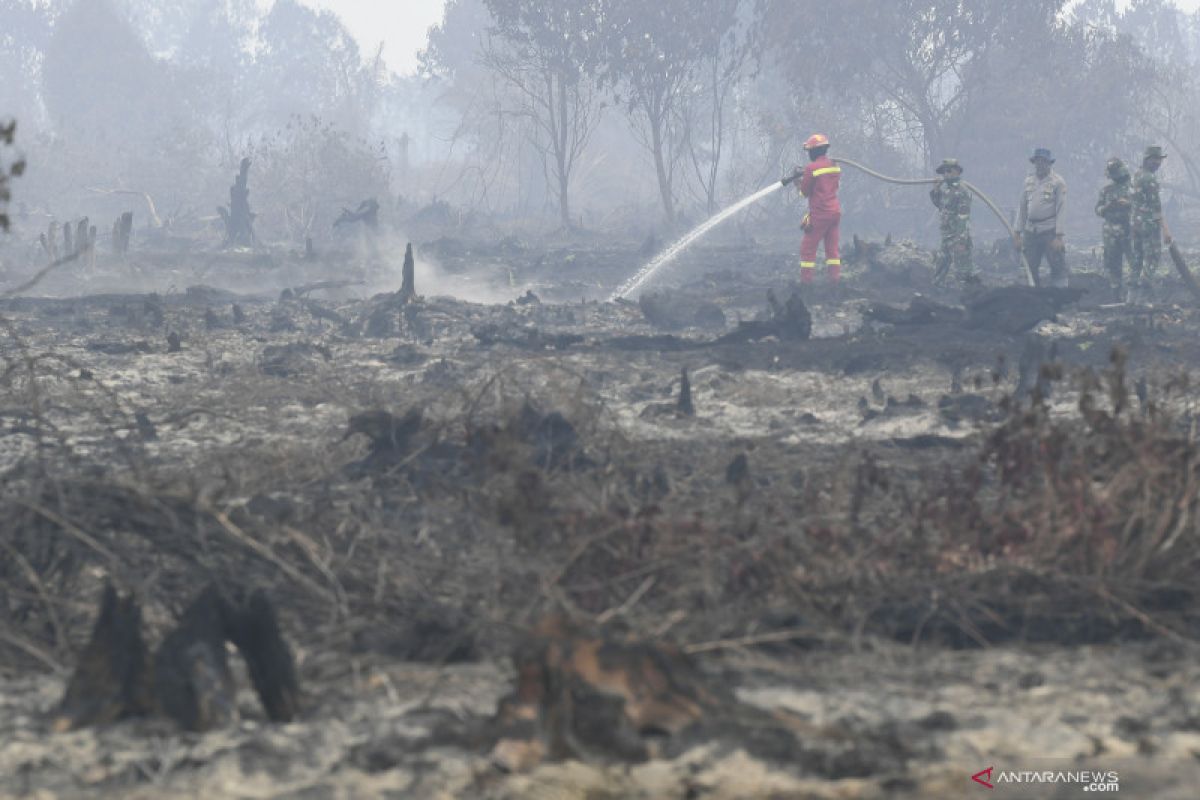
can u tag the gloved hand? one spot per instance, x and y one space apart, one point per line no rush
806 223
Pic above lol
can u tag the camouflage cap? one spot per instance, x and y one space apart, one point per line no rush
1116 168
1154 151
1042 153
949 164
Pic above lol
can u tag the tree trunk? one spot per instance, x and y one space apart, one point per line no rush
660 167
717 136
562 156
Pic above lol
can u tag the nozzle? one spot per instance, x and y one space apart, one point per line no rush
786 179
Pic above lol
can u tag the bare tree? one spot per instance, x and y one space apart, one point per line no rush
653 53
924 57
546 52
720 70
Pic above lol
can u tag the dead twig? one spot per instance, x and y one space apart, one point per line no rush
29 648
265 552
70 528
1144 618
789 635
60 636
630 602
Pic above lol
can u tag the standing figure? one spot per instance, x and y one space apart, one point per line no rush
954 202
1149 227
819 183
1114 206
1041 219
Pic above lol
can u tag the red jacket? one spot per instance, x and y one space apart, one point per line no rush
820 185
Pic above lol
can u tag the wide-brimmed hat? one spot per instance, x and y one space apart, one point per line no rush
1042 152
1154 151
948 164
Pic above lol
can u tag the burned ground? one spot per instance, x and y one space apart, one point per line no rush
918 532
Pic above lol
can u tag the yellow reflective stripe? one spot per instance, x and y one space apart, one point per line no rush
834 261
826 171
808 265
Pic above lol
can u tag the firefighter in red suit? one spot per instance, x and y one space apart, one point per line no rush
819 183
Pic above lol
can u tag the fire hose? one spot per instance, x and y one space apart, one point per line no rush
919 181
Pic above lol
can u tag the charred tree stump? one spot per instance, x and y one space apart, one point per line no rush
408 283
122 233
192 680
84 240
188 679
68 240
50 241
685 407
111 680
126 231
238 219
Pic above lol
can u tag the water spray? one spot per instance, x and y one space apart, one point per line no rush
662 259
668 255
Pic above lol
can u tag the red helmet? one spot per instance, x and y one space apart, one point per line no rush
816 140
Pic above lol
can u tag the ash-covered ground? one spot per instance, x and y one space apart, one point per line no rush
941 534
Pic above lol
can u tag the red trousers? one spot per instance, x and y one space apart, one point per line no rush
825 227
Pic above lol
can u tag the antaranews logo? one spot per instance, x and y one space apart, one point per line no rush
1088 781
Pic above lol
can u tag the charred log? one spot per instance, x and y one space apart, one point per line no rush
367 213
921 311
1017 309
790 323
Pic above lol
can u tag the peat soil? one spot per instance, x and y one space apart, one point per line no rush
415 481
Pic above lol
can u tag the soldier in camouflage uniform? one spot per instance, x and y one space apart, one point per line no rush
954 202
1114 206
1149 229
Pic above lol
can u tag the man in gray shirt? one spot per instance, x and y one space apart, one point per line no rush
1041 219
